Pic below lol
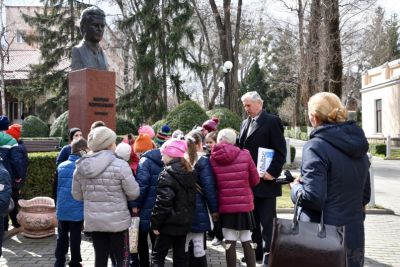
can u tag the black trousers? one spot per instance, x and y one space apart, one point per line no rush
14 212
116 244
143 248
69 235
264 214
163 244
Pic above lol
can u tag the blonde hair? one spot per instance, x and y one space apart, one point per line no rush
327 107
193 138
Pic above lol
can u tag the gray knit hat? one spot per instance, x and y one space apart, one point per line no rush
101 138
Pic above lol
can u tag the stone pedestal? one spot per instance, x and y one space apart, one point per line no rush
91 98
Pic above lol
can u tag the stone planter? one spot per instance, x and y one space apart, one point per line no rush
37 217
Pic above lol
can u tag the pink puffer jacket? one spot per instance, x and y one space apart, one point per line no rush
236 174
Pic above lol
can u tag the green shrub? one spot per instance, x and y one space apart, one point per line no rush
34 127
292 153
41 168
125 127
303 136
378 149
185 116
227 119
60 126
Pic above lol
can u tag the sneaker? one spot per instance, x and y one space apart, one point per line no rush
216 242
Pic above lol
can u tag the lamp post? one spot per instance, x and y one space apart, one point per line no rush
221 87
227 67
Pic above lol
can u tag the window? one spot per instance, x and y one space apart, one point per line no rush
378 115
19 37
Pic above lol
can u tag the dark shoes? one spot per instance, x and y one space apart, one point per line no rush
263 259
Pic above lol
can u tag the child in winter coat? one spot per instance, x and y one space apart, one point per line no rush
173 212
236 174
206 196
105 183
69 211
19 169
149 168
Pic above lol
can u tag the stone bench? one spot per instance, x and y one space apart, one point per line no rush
42 144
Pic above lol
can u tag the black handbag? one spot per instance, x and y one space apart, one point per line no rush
306 244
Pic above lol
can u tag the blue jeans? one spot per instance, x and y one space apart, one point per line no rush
69 235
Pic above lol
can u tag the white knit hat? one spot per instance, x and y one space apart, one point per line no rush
123 151
101 138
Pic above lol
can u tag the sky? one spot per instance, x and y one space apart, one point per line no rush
391 6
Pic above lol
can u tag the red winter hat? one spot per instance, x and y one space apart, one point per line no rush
15 131
211 125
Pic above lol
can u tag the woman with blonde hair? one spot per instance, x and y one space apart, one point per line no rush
334 180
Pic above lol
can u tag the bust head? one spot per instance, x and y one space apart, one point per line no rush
92 24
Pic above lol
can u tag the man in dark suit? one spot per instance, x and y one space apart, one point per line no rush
264 130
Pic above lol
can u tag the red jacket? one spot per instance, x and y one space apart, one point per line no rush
236 174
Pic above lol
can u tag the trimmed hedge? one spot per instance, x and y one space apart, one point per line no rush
125 127
34 127
227 119
60 127
377 149
41 168
185 116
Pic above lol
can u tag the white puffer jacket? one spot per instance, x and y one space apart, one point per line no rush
105 183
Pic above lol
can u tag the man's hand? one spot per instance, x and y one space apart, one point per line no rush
267 177
156 232
18 180
297 180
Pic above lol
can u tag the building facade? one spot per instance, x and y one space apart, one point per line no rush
380 94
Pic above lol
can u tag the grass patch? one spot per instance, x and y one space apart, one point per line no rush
284 201
395 154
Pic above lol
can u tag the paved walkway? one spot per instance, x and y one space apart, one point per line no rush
382 247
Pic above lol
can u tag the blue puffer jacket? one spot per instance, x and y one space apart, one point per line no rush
5 189
19 164
68 209
335 179
149 168
64 154
6 143
207 197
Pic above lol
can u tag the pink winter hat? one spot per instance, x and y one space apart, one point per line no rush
146 129
211 125
174 148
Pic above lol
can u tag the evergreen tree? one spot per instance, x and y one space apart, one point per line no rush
255 80
162 30
55 33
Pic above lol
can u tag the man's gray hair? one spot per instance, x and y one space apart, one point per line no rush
87 15
253 96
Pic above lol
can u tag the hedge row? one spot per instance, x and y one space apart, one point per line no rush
377 149
302 135
42 166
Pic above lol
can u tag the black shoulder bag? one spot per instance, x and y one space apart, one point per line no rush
305 244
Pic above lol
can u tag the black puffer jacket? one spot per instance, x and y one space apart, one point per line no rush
174 209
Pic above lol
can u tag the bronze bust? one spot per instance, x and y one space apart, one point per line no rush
88 53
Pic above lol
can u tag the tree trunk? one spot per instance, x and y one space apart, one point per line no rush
312 55
302 66
334 65
2 60
163 56
227 51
